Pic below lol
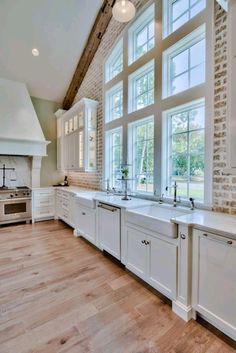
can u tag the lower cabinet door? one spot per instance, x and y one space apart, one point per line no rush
162 266
214 280
85 223
136 252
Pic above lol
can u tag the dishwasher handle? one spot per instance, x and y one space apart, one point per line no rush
107 207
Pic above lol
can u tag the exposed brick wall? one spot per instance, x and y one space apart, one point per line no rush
224 187
92 87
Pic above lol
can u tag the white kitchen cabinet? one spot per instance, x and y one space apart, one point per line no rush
85 222
43 204
214 280
153 258
162 266
78 139
109 229
65 207
136 252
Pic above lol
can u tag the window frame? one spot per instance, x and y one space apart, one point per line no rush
166 142
168 13
179 47
131 152
109 149
162 104
117 51
137 26
108 101
133 78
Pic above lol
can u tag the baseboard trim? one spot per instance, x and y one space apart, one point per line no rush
186 313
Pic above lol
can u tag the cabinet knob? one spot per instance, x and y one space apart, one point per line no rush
205 234
183 236
229 242
83 213
147 242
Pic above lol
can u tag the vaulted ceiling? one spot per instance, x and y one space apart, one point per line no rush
59 29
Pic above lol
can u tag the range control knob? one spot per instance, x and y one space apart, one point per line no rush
11 195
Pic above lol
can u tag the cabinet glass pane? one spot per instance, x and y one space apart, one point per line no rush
91 119
81 149
71 125
66 127
76 123
81 119
92 150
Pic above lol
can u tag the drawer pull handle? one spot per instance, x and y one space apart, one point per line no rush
107 208
143 242
147 242
205 234
83 213
183 236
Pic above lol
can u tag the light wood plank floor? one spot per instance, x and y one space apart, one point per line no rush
58 294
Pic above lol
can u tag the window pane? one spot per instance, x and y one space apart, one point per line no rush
114 63
197 53
114 102
179 122
186 151
179 7
179 143
180 83
178 12
142 135
196 141
179 22
180 166
197 75
141 87
197 118
197 8
141 34
179 63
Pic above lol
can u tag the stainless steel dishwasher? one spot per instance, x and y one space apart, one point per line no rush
109 229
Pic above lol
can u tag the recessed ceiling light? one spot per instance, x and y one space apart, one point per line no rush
35 52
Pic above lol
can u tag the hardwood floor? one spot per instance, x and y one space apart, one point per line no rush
58 294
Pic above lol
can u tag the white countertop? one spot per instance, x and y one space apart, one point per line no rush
214 222
116 200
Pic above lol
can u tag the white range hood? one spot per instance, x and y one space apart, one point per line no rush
20 130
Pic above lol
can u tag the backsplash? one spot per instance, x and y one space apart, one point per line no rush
22 173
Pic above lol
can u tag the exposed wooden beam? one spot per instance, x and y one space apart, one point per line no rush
100 25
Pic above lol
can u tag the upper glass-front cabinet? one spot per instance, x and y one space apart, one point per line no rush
80 136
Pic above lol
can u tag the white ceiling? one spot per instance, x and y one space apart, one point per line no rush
58 28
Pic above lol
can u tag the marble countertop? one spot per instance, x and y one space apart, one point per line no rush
214 222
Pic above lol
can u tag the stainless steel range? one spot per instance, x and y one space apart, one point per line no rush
15 204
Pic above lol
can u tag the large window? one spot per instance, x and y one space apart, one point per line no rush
164 96
141 154
178 12
113 146
114 64
114 102
185 63
142 35
141 87
186 149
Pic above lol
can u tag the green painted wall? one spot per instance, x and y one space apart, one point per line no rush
45 111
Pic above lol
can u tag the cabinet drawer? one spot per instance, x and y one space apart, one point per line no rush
43 201
65 216
41 193
65 195
41 212
65 204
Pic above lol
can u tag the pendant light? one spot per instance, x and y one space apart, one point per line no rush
123 10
